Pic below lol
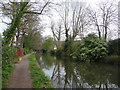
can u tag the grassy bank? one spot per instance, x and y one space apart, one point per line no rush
112 59
38 77
8 64
6 73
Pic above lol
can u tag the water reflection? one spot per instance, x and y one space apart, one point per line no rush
70 74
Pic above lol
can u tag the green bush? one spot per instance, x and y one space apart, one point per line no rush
48 44
27 51
112 59
114 47
6 73
91 49
9 55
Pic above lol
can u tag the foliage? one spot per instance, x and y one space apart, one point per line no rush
28 42
8 59
48 44
38 77
27 51
112 59
6 72
9 55
32 38
68 47
0 50
11 31
91 49
114 47
0 61
58 52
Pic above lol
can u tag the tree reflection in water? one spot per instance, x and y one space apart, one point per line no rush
70 74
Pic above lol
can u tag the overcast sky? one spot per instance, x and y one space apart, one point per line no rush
92 3
47 31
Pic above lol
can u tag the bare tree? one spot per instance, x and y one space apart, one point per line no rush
103 17
95 20
75 20
57 33
108 12
80 20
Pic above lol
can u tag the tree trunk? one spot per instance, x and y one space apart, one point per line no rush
99 33
105 33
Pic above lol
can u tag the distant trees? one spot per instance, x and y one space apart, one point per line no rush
48 44
32 28
78 19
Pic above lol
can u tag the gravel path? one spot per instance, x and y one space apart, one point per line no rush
21 77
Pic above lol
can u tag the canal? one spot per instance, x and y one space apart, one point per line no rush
66 73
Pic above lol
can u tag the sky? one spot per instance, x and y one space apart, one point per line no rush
92 3
55 15
46 20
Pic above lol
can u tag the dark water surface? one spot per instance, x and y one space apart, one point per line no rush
71 74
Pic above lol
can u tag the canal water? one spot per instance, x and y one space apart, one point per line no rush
66 73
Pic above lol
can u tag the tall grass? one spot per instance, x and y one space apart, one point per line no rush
39 79
6 73
9 58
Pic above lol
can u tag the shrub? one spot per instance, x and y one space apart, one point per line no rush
112 59
27 51
114 47
6 73
9 55
59 52
91 49
48 44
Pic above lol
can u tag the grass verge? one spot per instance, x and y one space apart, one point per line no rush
39 79
6 73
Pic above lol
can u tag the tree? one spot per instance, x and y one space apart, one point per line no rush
91 49
75 20
17 11
31 28
57 33
109 14
48 44
104 17
11 31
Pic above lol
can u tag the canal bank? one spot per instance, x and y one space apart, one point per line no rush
39 79
65 73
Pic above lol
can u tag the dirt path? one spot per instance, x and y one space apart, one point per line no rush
21 77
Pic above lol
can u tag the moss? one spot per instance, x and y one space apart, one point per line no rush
39 79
